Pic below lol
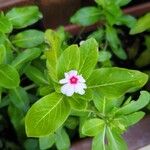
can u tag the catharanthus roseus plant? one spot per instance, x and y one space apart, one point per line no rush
50 89
85 91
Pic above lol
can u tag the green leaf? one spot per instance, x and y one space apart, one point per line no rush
28 39
122 2
36 75
9 77
115 82
104 56
52 54
45 90
93 127
69 60
88 57
115 141
24 16
98 142
5 25
103 104
114 41
134 106
19 98
112 13
127 20
98 35
132 119
62 140
17 119
143 59
3 38
142 24
77 103
86 16
25 57
46 142
31 144
46 115
2 54
71 122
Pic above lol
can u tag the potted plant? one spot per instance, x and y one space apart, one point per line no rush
49 88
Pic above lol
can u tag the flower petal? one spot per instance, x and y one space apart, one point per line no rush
63 81
83 85
79 89
72 73
67 89
81 79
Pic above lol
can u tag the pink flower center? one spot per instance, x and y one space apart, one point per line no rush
73 80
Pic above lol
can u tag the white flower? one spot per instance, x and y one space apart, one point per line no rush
73 83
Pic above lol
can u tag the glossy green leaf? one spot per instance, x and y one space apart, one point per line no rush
69 60
122 2
62 140
46 115
71 122
25 57
53 52
115 141
24 16
114 41
98 35
36 75
112 13
77 103
86 16
104 56
28 39
103 104
127 20
88 57
9 77
2 54
142 24
93 127
19 98
46 141
115 82
132 119
134 106
45 90
98 142
5 25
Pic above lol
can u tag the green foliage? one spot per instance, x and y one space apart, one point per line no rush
86 16
33 62
110 124
24 16
43 112
110 14
9 77
142 24
115 82
25 40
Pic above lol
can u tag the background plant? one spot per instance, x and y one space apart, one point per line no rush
109 14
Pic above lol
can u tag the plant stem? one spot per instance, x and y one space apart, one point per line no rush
30 87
